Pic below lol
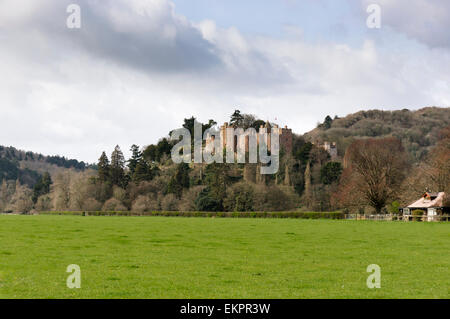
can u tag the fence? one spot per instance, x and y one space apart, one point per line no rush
407 218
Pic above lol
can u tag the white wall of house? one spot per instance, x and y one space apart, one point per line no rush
431 212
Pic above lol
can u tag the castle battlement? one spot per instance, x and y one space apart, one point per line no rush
285 135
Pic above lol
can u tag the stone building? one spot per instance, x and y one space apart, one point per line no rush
331 148
285 135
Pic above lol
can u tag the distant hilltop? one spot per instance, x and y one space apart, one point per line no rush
418 130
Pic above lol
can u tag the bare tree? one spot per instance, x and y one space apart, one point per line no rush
375 168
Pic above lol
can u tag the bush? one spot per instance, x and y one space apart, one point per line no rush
205 202
169 203
113 204
187 202
418 212
92 204
272 198
44 203
145 203
304 215
239 198
394 207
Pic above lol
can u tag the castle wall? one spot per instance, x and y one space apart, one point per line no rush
285 135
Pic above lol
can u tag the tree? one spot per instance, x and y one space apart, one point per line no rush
257 124
217 179
139 169
21 200
308 187
190 123
113 204
327 123
237 119
206 203
143 172
154 153
179 180
439 160
103 168
376 170
239 198
330 172
42 187
136 157
62 190
303 153
248 120
6 191
117 171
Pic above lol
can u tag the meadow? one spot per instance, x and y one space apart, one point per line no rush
161 257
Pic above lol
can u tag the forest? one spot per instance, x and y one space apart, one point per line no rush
384 160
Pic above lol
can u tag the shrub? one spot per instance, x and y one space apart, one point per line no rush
113 204
43 203
394 207
92 204
417 212
169 203
187 202
239 198
272 198
205 202
145 203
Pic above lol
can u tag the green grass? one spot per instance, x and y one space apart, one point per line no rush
158 257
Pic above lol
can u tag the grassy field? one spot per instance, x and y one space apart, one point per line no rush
157 257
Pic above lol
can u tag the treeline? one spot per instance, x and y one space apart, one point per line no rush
61 161
149 180
14 155
14 162
372 175
417 130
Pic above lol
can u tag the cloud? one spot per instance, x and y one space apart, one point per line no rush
137 68
425 21
146 35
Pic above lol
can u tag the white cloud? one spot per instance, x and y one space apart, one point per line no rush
137 68
425 21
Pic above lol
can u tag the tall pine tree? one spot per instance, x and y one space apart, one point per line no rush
103 168
136 157
117 170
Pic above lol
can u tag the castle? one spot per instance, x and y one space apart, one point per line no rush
331 148
285 135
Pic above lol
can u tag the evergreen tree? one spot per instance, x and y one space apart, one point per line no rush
103 168
327 123
179 180
218 179
237 119
143 172
42 187
330 172
136 157
117 170
303 153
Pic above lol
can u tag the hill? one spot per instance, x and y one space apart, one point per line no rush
27 167
418 130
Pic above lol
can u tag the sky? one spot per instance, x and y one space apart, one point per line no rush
136 68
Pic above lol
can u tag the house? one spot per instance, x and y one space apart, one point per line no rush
430 203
